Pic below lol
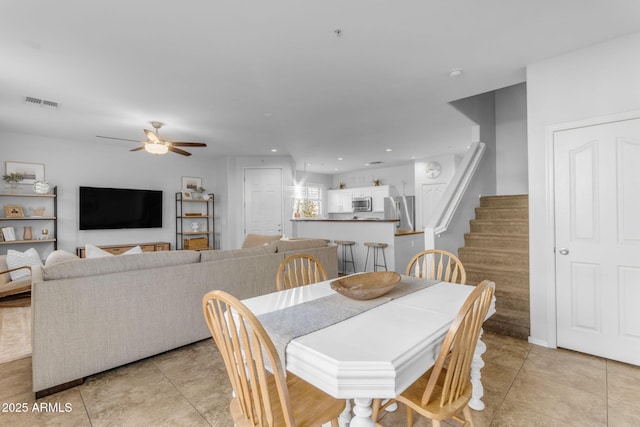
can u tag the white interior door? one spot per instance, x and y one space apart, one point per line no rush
597 200
263 201
430 196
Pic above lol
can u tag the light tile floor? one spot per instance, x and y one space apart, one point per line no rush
525 385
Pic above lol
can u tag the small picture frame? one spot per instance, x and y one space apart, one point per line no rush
187 195
31 172
190 183
13 211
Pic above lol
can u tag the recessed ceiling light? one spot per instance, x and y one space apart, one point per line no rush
340 158
388 150
455 72
274 150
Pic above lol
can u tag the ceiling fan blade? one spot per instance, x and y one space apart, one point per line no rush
138 148
178 151
152 136
188 144
118 139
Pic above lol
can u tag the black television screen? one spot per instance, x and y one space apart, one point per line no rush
113 208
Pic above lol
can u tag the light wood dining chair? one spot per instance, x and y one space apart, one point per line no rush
299 270
444 391
437 264
262 397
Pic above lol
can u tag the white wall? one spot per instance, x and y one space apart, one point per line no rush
511 140
598 81
69 165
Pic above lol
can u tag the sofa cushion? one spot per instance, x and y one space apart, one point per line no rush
253 240
116 264
298 245
17 259
218 255
60 256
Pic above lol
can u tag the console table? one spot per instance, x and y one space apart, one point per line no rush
119 249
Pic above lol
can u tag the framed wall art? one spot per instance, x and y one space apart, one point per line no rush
13 211
31 172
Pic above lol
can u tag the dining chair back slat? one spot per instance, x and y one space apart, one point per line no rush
299 270
437 264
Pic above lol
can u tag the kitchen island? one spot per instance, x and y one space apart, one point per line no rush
402 244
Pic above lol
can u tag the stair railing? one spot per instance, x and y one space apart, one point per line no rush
442 215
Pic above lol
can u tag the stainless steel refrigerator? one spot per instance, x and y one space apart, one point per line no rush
403 209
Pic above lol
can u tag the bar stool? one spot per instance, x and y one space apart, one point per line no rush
347 257
377 247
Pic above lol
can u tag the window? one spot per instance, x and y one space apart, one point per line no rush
308 200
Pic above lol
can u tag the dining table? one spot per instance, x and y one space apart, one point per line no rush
363 350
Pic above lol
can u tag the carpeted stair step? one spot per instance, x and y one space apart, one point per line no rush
496 241
499 227
520 200
517 213
506 328
518 258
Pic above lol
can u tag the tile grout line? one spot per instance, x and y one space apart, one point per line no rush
181 393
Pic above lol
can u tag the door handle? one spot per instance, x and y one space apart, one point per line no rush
564 251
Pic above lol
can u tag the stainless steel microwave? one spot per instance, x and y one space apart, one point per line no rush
362 204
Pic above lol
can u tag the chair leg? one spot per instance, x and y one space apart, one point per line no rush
409 417
334 423
467 416
375 406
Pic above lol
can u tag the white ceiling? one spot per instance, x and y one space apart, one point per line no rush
248 76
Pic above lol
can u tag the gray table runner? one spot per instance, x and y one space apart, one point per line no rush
302 319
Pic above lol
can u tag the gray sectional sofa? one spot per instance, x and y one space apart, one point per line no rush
91 315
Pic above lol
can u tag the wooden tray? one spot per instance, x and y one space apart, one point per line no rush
366 285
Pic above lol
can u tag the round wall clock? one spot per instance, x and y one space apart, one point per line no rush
433 169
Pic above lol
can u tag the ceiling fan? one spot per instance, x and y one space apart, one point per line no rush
156 145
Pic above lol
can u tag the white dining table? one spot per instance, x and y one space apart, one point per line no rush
377 353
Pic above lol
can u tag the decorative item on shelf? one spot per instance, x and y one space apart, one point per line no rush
41 187
206 197
342 185
27 234
13 211
198 192
196 243
45 234
377 182
37 212
195 226
12 180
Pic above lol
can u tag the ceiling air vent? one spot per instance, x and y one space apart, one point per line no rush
41 102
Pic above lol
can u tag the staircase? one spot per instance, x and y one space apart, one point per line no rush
497 248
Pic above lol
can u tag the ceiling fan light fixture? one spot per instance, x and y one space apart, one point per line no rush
156 148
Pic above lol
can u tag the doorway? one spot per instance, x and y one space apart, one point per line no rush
263 203
597 239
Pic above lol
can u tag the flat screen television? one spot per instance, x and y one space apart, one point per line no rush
116 208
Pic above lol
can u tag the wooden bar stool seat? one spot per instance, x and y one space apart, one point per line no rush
377 248
347 256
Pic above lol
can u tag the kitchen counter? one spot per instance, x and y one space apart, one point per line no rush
401 244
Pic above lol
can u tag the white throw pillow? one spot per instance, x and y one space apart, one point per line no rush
91 251
17 259
59 256
133 250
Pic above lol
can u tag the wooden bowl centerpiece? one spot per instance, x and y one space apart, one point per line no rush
366 285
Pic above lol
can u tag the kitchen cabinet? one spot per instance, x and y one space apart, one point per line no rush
378 195
38 215
339 201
